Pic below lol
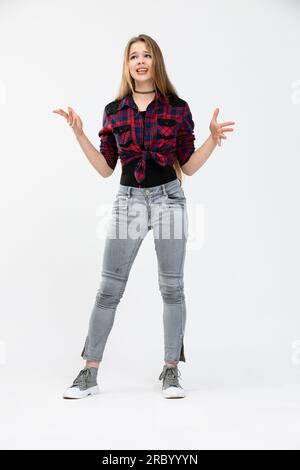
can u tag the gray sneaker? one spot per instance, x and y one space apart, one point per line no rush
170 385
85 384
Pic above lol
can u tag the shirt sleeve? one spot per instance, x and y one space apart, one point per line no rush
108 144
185 145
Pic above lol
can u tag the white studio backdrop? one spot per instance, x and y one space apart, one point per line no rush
242 264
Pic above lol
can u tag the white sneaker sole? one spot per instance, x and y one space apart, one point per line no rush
173 392
75 392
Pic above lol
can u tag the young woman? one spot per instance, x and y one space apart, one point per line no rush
151 130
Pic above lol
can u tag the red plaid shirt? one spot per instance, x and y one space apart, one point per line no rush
168 132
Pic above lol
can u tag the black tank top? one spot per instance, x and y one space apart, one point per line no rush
155 173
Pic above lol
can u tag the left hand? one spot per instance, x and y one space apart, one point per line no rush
217 129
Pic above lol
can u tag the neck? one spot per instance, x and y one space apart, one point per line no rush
144 88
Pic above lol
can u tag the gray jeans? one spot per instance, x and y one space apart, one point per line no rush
136 211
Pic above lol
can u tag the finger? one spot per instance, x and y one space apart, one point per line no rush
215 114
71 118
61 112
74 119
227 123
227 129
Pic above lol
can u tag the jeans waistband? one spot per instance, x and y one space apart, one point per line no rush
159 189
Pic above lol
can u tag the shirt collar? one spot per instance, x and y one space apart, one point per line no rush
128 100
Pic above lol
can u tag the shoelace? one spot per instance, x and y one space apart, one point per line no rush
83 374
172 373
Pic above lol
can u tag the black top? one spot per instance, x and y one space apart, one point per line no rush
155 173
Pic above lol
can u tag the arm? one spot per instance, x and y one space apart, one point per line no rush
199 157
104 161
95 157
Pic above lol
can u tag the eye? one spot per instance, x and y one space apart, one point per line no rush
149 55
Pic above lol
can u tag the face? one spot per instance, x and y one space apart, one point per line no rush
140 58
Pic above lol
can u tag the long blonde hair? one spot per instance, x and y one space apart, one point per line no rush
159 74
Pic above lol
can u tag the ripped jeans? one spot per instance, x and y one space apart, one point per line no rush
135 211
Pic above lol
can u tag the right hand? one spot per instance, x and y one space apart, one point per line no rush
72 118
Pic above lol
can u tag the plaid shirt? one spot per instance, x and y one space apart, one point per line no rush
168 132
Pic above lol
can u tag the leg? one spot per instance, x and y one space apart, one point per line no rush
119 255
170 246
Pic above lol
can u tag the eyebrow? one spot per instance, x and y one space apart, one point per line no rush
136 52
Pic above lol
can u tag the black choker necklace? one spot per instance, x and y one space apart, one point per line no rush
152 91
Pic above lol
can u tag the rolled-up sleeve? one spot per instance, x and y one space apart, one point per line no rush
108 144
185 145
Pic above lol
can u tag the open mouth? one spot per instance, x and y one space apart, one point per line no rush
142 71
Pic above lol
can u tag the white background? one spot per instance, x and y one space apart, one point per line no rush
242 340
